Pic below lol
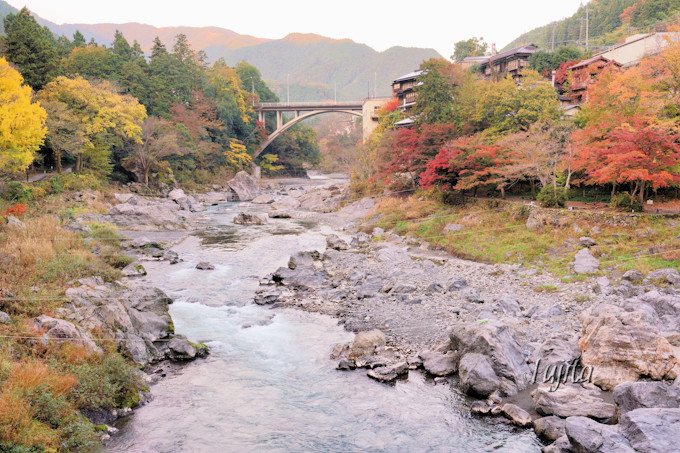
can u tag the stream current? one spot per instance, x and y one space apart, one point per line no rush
268 384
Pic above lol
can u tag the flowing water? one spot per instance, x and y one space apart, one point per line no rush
268 384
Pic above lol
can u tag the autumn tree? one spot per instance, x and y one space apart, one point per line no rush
158 140
435 90
638 151
22 121
97 111
473 47
540 154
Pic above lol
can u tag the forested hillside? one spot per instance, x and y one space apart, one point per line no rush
610 21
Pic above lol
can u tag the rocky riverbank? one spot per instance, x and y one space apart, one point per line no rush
589 365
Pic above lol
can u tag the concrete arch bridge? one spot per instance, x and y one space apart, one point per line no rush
365 109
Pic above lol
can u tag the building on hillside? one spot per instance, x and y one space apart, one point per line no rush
509 62
469 62
584 74
403 89
639 46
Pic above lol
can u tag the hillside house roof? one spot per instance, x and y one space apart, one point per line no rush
590 61
525 50
409 76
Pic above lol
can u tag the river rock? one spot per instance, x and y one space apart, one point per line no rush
301 278
453 228
370 288
244 186
145 216
365 343
205 266
572 400
477 375
335 243
480 408
667 275
652 430
472 295
553 353
133 270
622 346
177 195
59 330
77 227
586 241
279 215
213 198
179 349
635 395
440 364
495 340
286 203
392 254
585 263
456 283
247 218
263 199
550 428
4 318
378 232
519 416
561 445
303 259
588 436
122 197
633 275
388 373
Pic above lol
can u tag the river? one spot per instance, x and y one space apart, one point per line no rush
268 384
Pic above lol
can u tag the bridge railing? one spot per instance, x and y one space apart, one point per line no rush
308 104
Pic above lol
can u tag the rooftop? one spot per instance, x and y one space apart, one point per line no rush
409 76
526 49
590 61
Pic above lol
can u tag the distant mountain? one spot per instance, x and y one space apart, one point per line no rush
312 65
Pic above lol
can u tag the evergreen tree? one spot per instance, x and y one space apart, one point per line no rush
31 48
78 39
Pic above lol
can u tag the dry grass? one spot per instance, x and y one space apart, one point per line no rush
495 232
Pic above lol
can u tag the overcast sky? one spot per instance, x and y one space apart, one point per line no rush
379 23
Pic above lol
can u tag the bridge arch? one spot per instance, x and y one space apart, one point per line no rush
297 120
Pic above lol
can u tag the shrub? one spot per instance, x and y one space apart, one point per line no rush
624 202
551 198
16 191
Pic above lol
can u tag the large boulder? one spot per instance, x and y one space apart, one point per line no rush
263 199
334 242
438 363
652 430
177 195
388 373
365 343
572 400
635 395
244 186
585 263
213 198
588 436
59 331
622 346
477 376
666 275
147 216
494 340
285 204
519 416
247 218
549 428
180 349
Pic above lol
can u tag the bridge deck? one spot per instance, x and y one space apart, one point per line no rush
307 106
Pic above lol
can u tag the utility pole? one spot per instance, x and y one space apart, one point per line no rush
553 38
587 24
253 89
288 88
375 85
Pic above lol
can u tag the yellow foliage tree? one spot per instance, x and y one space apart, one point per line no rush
84 118
237 155
22 123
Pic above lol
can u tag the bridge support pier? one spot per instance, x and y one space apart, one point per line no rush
260 116
279 120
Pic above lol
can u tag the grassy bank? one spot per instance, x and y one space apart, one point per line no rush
45 386
495 231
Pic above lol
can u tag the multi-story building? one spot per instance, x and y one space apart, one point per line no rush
403 89
584 74
511 62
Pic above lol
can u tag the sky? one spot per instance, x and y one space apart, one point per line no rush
381 24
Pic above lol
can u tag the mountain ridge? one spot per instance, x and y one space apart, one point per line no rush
308 65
